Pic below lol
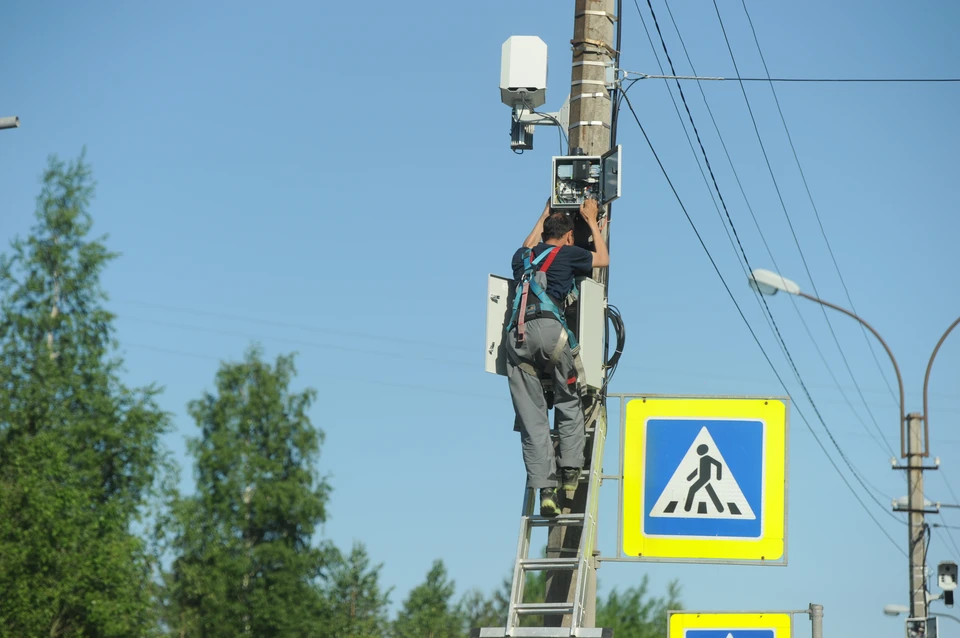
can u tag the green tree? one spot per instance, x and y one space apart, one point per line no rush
357 606
244 561
80 454
634 614
427 612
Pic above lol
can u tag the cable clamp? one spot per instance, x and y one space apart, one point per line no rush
583 95
592 46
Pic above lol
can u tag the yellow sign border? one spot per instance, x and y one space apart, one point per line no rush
779 622
771 546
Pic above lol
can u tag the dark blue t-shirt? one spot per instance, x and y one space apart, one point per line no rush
570 262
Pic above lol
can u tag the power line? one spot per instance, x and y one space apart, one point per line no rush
300 342
793 232
881 442
716 78
856 473
281 324
335 377
816 212
754 334
949 529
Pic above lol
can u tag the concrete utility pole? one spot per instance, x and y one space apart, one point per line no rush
589 129
917 527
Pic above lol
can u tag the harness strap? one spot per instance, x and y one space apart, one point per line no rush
547 258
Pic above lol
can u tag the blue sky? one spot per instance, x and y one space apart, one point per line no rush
336 180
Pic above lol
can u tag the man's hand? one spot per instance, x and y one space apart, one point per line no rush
546 208
589 210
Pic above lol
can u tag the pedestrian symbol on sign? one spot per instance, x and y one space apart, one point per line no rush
714 489
704 480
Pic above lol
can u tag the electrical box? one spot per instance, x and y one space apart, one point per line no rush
500 292
523 71
591 326
922 627
587 319
579 177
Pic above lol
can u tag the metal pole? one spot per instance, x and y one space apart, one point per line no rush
896 368
917 527
926 381
589 129
816 620
9 122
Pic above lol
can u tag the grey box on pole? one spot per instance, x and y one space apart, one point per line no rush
589 325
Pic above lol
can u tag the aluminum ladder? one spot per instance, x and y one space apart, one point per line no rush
579 564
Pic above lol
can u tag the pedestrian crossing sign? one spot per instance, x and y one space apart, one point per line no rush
728 625
705 479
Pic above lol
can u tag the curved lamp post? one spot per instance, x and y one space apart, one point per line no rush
769 283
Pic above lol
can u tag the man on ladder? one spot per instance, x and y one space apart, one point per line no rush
541 350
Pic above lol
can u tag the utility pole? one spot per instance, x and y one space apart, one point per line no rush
589 129
915 508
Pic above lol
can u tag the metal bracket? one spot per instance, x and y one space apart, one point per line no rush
537 119
591 123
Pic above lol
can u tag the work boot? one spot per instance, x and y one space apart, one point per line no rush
569 478
549 503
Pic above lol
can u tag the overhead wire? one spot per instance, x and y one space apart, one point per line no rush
816 211
336 377
953 542
856 473
752 332
280 324
880 441
793 232
949 528
737 78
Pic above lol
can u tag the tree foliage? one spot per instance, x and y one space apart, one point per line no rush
81 464
357 606
428 611
79 451
634 614
245 561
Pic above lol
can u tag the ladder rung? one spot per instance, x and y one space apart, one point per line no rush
559 519
543 609
537 564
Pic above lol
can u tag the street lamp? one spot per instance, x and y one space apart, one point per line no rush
895 610
770 283
9 122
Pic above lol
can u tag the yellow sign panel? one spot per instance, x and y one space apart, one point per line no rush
705 479
725 625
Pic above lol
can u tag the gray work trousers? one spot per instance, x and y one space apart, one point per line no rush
533 418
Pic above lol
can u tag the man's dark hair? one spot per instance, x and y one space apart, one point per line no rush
556 226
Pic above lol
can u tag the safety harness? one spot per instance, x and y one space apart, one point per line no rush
534 280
